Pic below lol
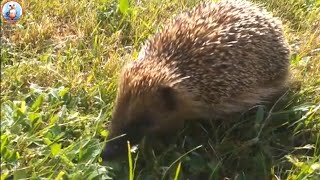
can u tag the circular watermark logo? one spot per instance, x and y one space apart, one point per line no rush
11 11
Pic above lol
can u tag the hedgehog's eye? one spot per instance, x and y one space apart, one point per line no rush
168 96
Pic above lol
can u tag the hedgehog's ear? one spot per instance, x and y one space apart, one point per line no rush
167 94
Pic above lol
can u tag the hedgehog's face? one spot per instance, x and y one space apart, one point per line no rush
153 114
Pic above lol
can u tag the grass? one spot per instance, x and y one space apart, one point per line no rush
59 69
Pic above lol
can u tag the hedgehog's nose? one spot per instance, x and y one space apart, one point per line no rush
109 152
112 150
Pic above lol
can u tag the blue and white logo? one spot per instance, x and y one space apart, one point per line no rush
11 11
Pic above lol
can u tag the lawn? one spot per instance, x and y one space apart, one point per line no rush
59 70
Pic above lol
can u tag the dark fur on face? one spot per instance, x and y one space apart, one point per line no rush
141 122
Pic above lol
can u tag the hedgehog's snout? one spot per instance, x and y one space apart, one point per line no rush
114 149
109 152
117 147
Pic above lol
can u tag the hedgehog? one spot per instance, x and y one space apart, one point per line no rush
207 63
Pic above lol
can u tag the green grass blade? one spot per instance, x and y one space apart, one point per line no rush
177 171
185 154
131 175
124 6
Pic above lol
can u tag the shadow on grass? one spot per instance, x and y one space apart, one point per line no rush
252 146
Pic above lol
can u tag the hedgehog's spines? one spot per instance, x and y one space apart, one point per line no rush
214 60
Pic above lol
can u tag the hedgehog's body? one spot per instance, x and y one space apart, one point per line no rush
212 61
